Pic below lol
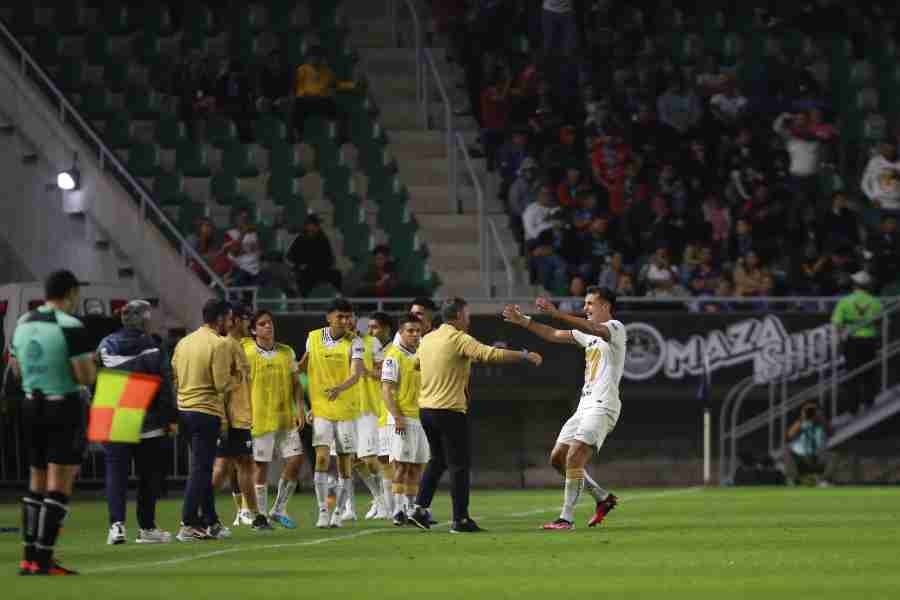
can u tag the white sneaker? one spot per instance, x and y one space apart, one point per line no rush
153 536
383 513
324 521
246 518
116 534
373 511
349 515
337 520
237 521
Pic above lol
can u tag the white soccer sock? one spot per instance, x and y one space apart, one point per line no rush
350 502
410 504
399 503
388 495
262 498
570 499
599 494
320 481
343 490
373 483
285 491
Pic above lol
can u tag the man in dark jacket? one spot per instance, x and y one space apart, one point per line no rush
312 257
133 349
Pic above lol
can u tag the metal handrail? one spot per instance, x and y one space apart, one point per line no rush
484 254
507 265
432 74
105 155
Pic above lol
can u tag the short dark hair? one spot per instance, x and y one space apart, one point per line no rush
453 309
605 293
340 305
215 309
408 318
383 318
424 302
259 315
59 284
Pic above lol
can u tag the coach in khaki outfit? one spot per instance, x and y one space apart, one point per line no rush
445 359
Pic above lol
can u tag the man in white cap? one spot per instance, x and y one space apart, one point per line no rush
855 320
132 348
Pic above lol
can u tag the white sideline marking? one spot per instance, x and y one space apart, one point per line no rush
338 538
650 496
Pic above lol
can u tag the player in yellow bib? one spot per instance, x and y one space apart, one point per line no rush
334 362
368 391
401 381
277 399
381 326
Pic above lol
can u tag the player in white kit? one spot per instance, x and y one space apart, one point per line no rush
604 341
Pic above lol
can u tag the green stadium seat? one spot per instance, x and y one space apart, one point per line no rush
270 131
143 160
119 131
144 104
118 18
193 159
68 74
272 298
323 290
156 20
238 160
285 158
358 242
97 103
116 75
168 190
170 132
221 132
283 188
70 18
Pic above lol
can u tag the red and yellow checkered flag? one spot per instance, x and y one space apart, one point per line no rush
120 403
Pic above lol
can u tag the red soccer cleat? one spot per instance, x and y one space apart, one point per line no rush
55 570
27 567
604 507
559 525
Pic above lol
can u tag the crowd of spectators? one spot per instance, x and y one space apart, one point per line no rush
659 178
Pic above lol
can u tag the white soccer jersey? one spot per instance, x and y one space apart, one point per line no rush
604 364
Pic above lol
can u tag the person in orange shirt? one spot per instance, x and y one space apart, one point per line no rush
314 87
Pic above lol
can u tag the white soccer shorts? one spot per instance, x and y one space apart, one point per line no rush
384 440
366 436
287 442
342 434
588 428
412 446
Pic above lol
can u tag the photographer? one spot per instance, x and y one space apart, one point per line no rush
805 451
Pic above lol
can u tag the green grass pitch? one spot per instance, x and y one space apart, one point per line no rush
696 543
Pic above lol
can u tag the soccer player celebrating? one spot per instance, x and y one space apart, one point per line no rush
604 341
53 355
235 451
277 399
381 326
401 382
334 361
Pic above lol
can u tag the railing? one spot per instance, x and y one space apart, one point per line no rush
483 245
781 403
507 264
107 159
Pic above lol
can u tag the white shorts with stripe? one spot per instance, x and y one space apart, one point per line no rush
589 428
367 436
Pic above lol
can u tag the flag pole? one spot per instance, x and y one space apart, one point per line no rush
707 421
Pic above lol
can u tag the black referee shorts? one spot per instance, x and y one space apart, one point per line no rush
238 443
55 431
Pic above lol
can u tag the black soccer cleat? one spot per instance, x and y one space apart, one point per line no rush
421 519
261 523
400 519
465 526
54 569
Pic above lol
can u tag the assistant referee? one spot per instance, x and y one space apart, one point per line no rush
53 354
445 359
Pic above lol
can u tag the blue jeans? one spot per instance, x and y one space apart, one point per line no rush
202 433
560 31
150 463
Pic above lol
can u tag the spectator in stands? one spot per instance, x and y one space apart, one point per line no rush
542 243
494 115
751 277
522 193
724 289
609 155
380 279
240 219
625 286
314 88
559 26
569 187
649 136
806 447
743 237
234 97
512 154
313 258
584 214
577 290
885 248
706 271
659 272
246 256
840 225
766 216
729 107
203 241
536 218
596 249
718 218
274 84
698 170
881 179
612 271
679 107
627 190
803 147
807 273
196 95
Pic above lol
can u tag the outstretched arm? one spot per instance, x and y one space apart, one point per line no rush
513 314
598 329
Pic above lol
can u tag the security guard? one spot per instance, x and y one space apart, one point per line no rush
854 318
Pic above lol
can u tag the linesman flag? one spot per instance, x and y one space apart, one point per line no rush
120 403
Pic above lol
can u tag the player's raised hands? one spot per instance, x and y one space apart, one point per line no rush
545 306
513 314
535 358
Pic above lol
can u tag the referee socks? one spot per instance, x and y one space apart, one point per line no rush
31 514
53 513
